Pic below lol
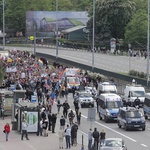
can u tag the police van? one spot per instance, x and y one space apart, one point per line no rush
146 106
108 106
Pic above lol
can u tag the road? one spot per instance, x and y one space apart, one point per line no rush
118 64
135 140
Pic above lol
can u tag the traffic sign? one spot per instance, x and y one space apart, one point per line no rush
31 38
33 98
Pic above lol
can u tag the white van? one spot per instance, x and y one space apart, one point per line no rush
106 87
132 92
146 106
108 106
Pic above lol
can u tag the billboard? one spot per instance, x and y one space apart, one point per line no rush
45 22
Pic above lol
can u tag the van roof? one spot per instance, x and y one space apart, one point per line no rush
110 95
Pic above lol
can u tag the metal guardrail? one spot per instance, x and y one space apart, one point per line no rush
121 80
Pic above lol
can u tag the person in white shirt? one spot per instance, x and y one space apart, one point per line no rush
61 137
24 130
90 135
67 136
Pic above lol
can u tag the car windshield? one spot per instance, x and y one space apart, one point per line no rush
134 114
113 143
113 104
85 95
137 94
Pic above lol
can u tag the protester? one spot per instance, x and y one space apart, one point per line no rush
61 137
67 136
24 130
102 136
49 121
65 108
74 130
90 135
54 118
71 116
45 124
41 128
58 105
6 130
62 122
96 138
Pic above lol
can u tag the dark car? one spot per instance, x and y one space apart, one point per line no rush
131 118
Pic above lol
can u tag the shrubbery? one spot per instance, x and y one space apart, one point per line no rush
137 74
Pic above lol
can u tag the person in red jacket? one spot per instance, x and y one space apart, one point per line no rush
7 130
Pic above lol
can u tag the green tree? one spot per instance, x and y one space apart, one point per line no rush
136 30
111 17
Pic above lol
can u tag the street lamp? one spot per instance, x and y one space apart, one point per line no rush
148 19
56 30
93 40
3 25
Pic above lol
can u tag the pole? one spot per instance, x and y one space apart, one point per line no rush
93 42
82 147
3 25
56 30
148 43
34 39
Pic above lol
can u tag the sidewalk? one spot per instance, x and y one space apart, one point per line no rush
36 142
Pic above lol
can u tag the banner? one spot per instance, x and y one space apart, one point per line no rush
72 71
32 121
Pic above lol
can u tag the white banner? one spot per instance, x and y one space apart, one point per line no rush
32 121
72 71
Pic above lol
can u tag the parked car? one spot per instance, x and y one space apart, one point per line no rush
84 98
113 144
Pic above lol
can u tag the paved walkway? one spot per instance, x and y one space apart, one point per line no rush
35 142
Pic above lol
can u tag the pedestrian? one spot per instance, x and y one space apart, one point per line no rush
61 137
90 135
49 121
41 128
45 125
2 111
43 113
96 138
102 136
58 105
74 130
62 122
6 130
73 90
65 108
24 130
71 116
67 136
54 118
79 117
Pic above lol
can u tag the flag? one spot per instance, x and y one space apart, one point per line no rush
40 62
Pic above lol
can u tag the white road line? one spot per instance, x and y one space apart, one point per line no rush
144 145
113 130
148 128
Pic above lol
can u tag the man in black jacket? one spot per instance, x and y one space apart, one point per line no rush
96 138
49 121
62 123
54 118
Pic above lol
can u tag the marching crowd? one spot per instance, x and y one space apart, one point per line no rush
23 71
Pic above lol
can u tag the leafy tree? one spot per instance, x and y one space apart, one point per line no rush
111 17
136 30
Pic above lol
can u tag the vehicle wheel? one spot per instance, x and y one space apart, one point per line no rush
143 128
93 105
125 127
105 119
146 117
119 125
81 106
100 118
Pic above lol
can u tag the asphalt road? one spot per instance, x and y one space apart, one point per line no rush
119 64
134 139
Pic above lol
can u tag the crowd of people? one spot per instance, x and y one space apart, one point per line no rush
23 71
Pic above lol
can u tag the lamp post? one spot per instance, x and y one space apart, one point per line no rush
148 19
3 25
56 30
93 40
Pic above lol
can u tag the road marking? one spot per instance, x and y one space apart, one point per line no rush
112 130
144 145
148 128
